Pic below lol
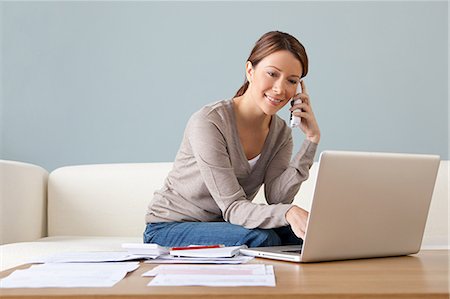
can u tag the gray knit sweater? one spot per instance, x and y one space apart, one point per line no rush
211 179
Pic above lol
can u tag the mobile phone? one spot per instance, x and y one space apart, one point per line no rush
295 120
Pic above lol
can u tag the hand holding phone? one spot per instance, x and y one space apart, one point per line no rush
295 120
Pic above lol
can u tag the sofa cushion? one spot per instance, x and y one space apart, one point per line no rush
102 200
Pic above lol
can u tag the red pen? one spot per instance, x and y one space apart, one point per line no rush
197 247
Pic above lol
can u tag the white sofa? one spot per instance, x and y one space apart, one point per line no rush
99 207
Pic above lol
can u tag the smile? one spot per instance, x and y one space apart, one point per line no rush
273 100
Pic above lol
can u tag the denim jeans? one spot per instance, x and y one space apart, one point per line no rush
173 234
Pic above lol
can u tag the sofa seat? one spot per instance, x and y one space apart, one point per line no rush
15 254
99 207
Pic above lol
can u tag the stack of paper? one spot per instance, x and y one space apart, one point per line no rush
214 254
73 275
151 256
88 257
208 252
212 275
145 249
168 259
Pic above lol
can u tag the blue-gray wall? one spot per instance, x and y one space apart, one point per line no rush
101 82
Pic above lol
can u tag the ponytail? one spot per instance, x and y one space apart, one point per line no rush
242 90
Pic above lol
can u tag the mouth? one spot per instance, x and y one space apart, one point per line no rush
272 100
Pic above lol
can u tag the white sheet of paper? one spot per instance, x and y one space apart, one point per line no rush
145 249
91 257
123 266
228 251
69 275
168 259
253 269
267 279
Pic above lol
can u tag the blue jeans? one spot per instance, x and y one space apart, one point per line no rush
172 234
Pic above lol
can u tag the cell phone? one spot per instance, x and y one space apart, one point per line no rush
294 121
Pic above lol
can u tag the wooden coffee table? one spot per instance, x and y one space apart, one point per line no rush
424 275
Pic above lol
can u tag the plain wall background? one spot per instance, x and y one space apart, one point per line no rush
104 82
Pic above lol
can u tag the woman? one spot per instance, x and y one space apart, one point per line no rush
230 148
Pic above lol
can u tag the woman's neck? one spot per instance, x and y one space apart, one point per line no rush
249 114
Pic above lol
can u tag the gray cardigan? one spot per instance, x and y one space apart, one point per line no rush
211 179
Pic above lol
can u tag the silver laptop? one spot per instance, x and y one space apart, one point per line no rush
364 205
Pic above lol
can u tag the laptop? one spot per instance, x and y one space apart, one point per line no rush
364 205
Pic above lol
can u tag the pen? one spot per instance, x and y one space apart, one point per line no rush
198 247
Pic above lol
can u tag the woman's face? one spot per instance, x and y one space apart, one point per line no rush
274 80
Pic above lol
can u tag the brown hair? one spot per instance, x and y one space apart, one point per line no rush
271 42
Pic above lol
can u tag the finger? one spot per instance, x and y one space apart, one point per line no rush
301 96
303 115
301 106
296 96
302 234
304 97
299 233
303 85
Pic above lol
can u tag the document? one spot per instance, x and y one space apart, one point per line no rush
91 257
253 269
229 251
152 250
213 280
121 256
213 275
70 275
168 259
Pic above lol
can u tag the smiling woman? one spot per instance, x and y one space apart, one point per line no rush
275 78
230 149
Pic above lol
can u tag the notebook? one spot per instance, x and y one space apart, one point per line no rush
364 205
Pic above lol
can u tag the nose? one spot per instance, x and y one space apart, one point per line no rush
278 87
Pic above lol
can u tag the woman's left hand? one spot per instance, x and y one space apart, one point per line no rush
308 122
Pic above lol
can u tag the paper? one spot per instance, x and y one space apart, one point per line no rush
266 279
209 252
152 250
71 275
253 269
149 249
91 256
168 259
213 281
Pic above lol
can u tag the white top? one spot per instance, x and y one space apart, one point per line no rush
253 161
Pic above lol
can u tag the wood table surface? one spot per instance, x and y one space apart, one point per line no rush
423 275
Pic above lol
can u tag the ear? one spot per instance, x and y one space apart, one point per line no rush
249 71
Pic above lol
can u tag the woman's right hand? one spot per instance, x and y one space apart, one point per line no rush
297 218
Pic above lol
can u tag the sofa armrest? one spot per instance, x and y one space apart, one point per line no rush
23 202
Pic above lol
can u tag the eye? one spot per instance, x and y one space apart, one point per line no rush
293 81
271 74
